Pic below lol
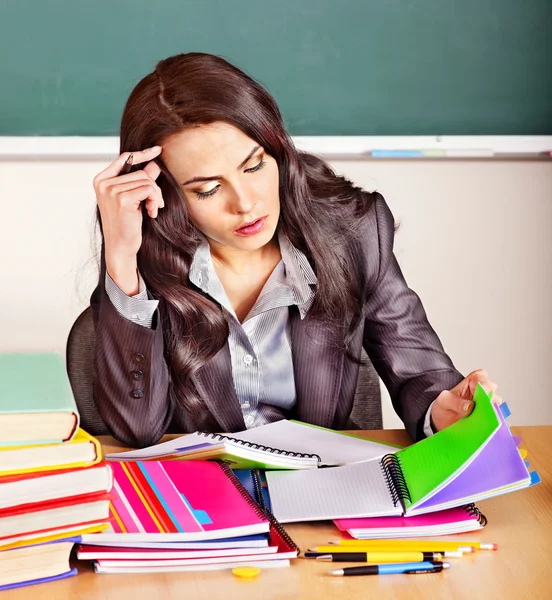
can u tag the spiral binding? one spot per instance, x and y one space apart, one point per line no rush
472 510
273 521
221 437
243 492
394 477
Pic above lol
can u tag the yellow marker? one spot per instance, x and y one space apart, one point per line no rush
523 452
246 572
419 545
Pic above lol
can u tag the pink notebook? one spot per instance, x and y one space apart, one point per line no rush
160 501
443 522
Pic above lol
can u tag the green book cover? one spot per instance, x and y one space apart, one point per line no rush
35 383
429 464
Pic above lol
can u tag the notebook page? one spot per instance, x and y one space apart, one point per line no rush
333 447
431 463
340 492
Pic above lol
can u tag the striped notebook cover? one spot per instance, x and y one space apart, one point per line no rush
160 501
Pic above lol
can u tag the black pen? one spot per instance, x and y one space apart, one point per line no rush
128 165
393 569
388 557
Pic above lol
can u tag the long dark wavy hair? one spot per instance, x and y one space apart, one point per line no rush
320 210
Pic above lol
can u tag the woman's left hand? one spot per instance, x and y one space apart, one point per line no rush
452 405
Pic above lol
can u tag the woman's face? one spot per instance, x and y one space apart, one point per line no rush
230 184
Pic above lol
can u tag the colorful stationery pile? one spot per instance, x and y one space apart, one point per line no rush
53 486
475 458
185 516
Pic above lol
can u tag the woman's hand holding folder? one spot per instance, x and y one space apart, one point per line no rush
452 405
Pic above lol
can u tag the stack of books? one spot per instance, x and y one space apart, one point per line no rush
53 484
170 516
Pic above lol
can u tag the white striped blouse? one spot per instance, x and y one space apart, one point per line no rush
260 347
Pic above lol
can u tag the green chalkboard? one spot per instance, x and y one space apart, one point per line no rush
335 67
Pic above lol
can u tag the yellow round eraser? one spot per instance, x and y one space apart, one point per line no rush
246 571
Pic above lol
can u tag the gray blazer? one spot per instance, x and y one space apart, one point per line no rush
131 376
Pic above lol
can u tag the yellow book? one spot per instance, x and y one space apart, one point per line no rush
61 534
82 451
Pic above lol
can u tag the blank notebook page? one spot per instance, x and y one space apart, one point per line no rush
358 490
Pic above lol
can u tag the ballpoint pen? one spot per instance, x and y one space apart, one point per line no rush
393 569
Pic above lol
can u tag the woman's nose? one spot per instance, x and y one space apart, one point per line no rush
242 202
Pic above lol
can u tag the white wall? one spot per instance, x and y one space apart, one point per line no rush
474 243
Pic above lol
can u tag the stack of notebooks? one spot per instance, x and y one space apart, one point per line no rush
53 485
186 516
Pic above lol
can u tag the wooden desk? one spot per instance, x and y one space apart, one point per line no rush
521 524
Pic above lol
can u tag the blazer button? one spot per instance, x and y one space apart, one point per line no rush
138 357
137 394
137 375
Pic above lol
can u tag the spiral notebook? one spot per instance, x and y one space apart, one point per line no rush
475 458
443 522
280 445
177 501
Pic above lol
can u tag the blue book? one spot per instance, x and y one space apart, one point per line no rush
23 558
69 573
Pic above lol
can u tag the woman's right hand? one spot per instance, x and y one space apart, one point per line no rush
119 200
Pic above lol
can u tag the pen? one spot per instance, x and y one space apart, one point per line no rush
128 165
381 557
429 545
405 568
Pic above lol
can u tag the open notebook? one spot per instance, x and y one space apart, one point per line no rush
280 445
475 458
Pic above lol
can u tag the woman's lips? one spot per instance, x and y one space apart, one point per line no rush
253 227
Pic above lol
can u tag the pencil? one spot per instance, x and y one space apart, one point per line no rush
420 545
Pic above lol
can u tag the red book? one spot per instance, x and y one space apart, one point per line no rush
43 517
43 486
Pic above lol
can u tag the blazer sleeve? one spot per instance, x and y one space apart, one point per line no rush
402 345
131 376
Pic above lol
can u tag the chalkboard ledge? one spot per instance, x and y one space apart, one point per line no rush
344 147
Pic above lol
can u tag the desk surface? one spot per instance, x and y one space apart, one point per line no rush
521 524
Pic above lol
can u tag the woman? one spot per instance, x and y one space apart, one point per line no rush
240 277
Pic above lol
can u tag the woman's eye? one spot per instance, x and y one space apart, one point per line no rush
256 167
202 195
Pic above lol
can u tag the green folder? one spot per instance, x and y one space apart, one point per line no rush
430 464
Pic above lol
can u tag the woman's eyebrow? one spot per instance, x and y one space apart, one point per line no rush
195 179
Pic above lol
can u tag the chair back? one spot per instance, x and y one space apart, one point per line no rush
80 368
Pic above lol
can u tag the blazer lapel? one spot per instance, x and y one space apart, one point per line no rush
215 385
318 366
